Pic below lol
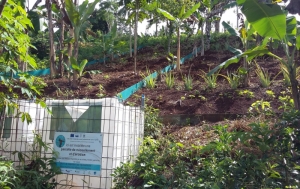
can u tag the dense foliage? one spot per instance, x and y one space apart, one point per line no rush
35 171
259 155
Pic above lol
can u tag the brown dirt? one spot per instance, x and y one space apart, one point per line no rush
119 75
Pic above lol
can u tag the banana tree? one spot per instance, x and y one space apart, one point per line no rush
183 14
270 21
138 15
78 16
245 33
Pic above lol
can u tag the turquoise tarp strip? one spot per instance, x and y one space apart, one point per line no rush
125 94
41 72
44 72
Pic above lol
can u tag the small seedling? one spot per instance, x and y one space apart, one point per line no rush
246 93
106 76
211 80
270 94
261 107
149 80
170 80
188 82
101 92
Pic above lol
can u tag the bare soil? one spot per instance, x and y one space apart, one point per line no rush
222 100
119 75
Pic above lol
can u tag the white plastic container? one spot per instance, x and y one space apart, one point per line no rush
121 126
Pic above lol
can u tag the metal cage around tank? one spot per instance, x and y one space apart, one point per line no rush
120 126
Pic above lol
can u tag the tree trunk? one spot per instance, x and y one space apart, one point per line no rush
217 25
294 85
104 51
178 50
207 34
156 33
130 41
61 48
170 27
70 52
202 40
51 38
2 4
135 34
75 82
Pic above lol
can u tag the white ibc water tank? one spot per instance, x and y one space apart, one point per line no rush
121 128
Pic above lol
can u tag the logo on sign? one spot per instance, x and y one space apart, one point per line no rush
60 141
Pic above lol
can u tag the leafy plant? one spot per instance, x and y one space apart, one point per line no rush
247 93
101 92
78 67
210 80
286 78
242 156
40 172
233 79
153 124
188 82
183 14
7 174
260 107
270 94
170 80
264 77
149 80
286 103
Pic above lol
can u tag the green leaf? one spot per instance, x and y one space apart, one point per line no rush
207 3
26 117
151 6
267 20
182 11
72 13
69 40
226 63
250 54
230 29
291 26
191 11
82 7
82 65
234 50
298 42
240 2
89 10
74 63
166 14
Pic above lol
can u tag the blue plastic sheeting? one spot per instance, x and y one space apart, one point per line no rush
130 91
42 72
46 71
125 94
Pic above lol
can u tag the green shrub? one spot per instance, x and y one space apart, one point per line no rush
7 174
188 82
170 80
211 80
258 156
264 76
149 80
40 172
233 79
153 124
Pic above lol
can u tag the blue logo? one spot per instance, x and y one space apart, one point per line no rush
71 135
60 141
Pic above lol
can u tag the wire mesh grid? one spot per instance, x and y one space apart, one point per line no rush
121 128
